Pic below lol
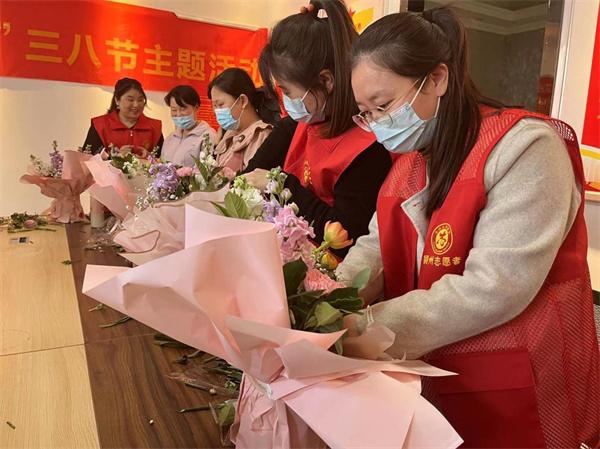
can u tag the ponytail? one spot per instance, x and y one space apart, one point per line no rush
236 82
266 107
302 45
413 45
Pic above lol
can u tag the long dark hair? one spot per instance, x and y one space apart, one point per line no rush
302 45
413 45
122 86
235 82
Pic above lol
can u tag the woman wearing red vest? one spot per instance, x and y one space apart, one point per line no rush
125 125
478 248
335 168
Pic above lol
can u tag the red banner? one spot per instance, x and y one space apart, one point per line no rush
98 42
591 125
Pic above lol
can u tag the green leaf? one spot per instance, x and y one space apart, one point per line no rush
361 280
220 209
311 323
329 328
236 206
204 172
215 171
341 293
294 274
326 314
226 414
348 304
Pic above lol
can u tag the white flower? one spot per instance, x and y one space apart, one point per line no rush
253 199
286 195
272 186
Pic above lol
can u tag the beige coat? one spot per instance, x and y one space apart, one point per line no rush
237 148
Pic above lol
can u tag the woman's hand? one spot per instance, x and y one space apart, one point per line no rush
371 343
257 179
139 152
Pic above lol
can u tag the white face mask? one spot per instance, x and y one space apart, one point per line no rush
406 131
297 110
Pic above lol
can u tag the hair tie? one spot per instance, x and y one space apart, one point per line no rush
322 14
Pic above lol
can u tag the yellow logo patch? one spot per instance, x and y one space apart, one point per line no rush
307 174
441 239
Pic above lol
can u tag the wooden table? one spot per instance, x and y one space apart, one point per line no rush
67 382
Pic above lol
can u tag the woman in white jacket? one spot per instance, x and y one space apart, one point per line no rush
478 247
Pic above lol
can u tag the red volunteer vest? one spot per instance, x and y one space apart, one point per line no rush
319 162
145 133
531 382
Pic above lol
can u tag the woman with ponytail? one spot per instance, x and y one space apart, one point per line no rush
478 248
244 115
334 168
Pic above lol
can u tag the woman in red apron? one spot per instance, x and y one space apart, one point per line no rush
478 248
125 126
335 168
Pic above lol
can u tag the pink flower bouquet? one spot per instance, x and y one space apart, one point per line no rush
63 180
225 294
111 187
160 229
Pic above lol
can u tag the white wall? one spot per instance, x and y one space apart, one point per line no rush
252 13
572 103
33 113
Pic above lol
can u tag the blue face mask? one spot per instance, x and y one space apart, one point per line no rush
225 117
297 110
185 122
406 131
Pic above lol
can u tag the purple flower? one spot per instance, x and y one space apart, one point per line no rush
165 183
293 233
56 160
270 210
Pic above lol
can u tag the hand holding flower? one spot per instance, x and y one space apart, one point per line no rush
257 179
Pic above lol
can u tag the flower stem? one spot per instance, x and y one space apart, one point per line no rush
195 409
115 323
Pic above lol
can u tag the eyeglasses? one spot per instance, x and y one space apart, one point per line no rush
380 115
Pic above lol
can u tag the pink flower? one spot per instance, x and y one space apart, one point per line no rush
184 171
293 233
229 173
30 224
315 280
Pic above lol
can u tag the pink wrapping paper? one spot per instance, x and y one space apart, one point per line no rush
111 187
224 294
160 229
65 191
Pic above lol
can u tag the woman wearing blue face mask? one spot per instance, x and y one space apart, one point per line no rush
244 115
184 144
478 248
335 168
